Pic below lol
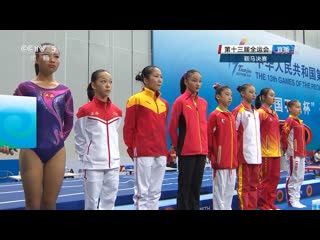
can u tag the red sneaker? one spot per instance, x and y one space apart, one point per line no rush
274 207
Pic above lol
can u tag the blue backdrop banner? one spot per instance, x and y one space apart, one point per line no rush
176 51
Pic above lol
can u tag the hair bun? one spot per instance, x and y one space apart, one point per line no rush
185 75
215 86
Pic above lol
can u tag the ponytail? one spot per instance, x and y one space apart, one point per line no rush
90 92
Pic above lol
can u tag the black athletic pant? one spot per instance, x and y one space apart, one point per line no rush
189 181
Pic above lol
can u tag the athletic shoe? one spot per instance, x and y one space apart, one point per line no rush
298 205
274 207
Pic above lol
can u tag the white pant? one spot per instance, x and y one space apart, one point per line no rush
224 183
101 188
296 168
149 173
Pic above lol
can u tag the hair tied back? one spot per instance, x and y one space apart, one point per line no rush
217 85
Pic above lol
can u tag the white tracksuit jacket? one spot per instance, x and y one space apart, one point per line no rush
96 134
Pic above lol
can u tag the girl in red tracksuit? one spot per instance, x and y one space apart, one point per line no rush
293 144
144 133
222 142
188 133
249 148
270 145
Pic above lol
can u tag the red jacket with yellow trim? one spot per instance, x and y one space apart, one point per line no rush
293 140
144 130
270 132
222 140
189 116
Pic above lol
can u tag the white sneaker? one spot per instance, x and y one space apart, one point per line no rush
301 205
298 205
